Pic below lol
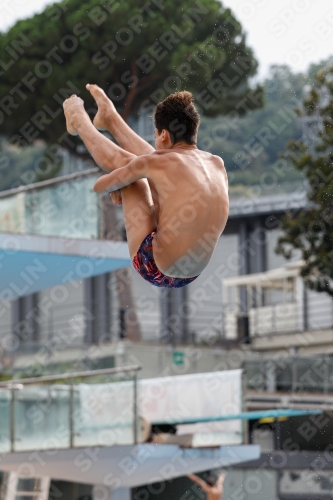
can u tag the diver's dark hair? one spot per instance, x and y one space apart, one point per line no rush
178 115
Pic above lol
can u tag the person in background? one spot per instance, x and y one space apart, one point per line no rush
212 485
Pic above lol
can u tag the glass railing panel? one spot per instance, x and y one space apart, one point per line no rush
41 418
105 414
311 374
5 410
61 416
12 213
97 408
283 376
69 209
254 375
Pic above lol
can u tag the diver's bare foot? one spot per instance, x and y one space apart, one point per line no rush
74 111
116 198
105 106
70 129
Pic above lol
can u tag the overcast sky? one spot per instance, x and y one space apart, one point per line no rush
293 32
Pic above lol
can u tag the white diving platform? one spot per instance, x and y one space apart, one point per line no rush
125 466
31 263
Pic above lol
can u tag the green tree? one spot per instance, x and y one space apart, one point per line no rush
137 52
276 121
310 230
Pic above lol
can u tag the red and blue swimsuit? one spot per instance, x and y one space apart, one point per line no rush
144 264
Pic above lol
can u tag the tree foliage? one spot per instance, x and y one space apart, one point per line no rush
310 230
251 145
138 52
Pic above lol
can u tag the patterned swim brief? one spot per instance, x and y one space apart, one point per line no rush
144 264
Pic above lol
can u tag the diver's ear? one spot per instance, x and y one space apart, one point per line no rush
165 136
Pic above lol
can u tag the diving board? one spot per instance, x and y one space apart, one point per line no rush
247 415
31 263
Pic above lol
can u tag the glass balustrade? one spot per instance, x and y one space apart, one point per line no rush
68 208
5 420
308 375
61 416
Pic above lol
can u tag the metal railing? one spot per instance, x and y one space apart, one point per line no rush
279 318
67 324
255 191
31 402
292 374
49 182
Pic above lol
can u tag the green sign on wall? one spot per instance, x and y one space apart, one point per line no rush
178 358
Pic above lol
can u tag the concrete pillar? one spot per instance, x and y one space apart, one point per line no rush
244 261
305 305
243 247
44 488
97 299
165 305
259 253
10 486
164 314
90 317
101 304
181 297
270 377
258 239
174 320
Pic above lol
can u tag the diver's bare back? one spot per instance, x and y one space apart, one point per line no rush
192 203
